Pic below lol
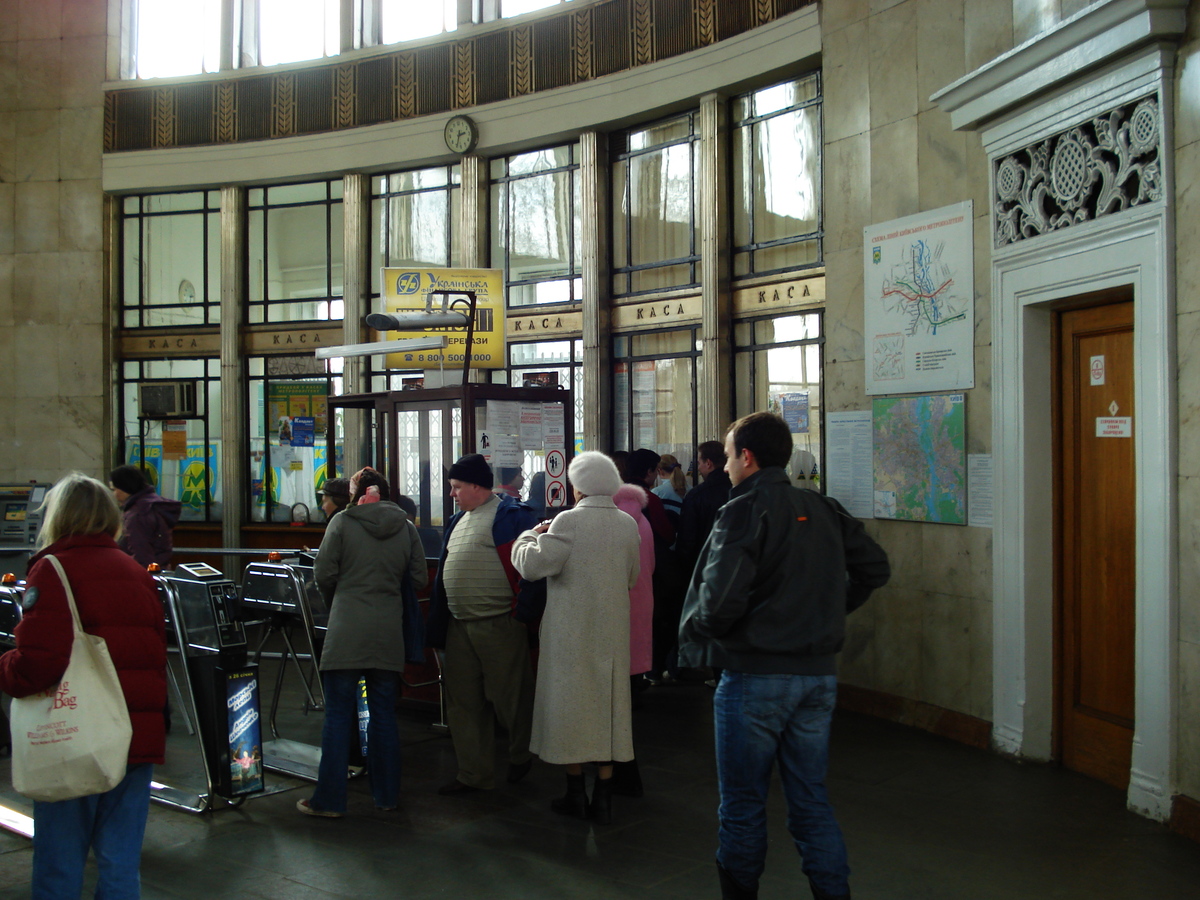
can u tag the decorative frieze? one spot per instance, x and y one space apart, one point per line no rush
1105 165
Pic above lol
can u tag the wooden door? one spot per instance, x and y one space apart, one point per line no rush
1096 488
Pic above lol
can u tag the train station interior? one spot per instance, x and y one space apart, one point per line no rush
946 240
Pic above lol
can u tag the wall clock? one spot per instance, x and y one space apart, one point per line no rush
461 134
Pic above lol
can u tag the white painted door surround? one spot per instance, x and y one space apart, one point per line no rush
1108 56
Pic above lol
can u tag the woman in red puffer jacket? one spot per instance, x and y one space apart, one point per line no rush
117 601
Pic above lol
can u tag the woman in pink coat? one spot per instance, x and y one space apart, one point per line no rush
630 498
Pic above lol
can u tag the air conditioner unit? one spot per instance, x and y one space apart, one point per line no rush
166 399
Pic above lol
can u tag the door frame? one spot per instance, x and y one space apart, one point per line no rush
1029 281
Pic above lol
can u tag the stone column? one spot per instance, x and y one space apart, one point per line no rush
594 179
715 395
235 476
356 293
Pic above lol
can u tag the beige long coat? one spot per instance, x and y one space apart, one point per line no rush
590 560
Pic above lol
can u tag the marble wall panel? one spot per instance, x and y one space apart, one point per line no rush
8 74
1189 559
879 6
81 287
81 359
988 27
39 74
941 53
835 16
7 266
81 216
845 386
39 19
844 318
1188 735
9 459
8 221
946 641
8 147
84 17
1032 17
9 23
892 64
982 259
847 177
37 217
81 131
1187 94
1187 227
979 698
845 85
905 548
894 182
943 173
1188 390
37 142
979 404
38 342
946 565
898 642
36 289
35 439
82 82
856 665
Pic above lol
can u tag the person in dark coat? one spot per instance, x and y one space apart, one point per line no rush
148 519
116 600
701 503
369 549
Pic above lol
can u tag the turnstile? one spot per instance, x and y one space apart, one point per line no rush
283 594
220 687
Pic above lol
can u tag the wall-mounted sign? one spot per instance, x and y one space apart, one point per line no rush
139 345
783 295
540 325
657 314
408 291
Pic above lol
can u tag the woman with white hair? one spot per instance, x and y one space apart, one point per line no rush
589 556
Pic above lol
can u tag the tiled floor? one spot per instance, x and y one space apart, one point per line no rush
925 819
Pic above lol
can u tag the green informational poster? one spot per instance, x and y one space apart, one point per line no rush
921 458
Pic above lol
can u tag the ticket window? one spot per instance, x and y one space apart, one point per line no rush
419 434
654 393
778 367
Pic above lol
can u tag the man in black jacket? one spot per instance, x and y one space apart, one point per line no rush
767 603
701 503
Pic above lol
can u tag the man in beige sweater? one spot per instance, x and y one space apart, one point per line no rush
471 618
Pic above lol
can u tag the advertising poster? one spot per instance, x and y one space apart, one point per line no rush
289 400
245 732
919 296
792 407
412 291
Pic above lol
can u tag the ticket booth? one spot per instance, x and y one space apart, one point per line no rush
20 522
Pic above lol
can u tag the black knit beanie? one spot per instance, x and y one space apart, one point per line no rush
473 469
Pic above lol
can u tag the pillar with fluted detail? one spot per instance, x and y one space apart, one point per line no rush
714 397
235 475
597 296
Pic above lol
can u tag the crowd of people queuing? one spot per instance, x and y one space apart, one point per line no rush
744 577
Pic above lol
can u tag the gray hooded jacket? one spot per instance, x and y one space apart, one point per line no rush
364 557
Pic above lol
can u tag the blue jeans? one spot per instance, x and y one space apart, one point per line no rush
761 719
111 824
340 728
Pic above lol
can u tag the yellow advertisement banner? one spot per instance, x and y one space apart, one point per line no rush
408 291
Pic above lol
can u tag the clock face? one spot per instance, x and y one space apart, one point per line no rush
461 134
187 293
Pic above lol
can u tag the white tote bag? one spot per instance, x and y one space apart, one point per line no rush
72 740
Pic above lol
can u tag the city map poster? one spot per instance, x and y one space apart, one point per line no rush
920 458
919 296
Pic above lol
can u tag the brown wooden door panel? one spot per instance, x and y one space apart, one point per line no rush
1095 571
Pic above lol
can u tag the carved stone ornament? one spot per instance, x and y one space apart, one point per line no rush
1102 166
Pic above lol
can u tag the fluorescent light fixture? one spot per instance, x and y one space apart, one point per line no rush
16 822
401 346
416 321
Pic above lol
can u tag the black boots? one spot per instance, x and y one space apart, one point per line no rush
574 802
627 780
601 805
731 889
